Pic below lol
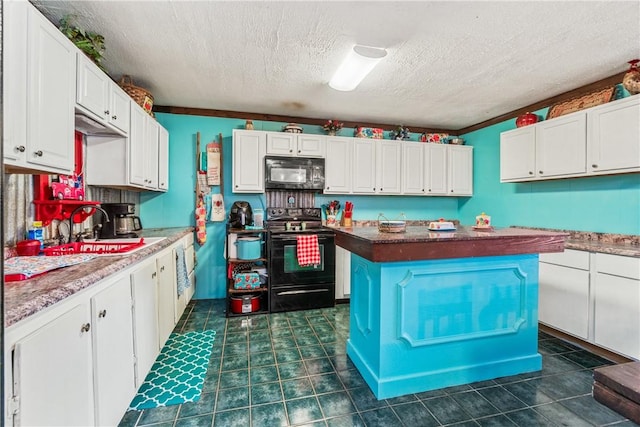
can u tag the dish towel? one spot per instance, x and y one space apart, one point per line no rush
182 275
308 250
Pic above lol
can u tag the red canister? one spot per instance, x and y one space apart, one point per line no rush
526 119
28 247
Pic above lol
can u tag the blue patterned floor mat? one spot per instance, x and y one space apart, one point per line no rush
178 373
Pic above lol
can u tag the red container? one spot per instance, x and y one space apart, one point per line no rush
245 303
526 119
28 247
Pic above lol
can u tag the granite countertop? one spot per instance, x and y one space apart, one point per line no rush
420 243
27 297
608 243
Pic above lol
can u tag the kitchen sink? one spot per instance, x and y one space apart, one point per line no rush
104 247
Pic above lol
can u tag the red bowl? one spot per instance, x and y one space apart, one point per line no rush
28 247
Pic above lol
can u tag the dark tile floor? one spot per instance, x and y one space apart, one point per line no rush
290 369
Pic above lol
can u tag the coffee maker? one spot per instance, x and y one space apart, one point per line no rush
122 221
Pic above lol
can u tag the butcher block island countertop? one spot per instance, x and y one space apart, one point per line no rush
437 309
419 243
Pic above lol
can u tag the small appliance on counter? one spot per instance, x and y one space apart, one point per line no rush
122 221
240 215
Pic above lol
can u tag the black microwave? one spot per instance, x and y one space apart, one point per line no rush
294 173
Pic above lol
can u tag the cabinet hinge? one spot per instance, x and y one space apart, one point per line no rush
14 405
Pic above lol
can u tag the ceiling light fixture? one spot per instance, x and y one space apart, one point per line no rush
355 67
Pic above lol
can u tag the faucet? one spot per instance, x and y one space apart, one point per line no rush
76 210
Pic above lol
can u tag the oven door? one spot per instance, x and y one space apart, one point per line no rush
284 268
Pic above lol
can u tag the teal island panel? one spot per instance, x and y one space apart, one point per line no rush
423 325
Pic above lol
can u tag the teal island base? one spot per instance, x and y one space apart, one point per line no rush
422 325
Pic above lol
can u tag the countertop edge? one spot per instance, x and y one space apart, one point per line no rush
18 307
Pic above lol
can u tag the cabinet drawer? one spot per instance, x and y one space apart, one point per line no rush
568 258
617 265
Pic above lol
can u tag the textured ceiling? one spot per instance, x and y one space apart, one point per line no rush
450 64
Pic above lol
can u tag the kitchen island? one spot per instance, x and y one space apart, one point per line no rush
437 309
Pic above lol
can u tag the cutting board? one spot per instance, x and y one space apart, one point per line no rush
27 267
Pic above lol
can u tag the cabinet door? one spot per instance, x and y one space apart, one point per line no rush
343 273
119 108
114 374
144 284
14 105
249 148
388 167
92 87
53 372
460 170
364 166
436 169
137 145
413 168
151 153
163 159
561 146
281 144
614 136
51 96
311 145
562 287
167 294
338 166
518 154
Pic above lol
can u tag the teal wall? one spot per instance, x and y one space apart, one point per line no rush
175 208
607 204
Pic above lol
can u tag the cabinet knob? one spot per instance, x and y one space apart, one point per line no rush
21 148
327 188
236 186
161 269
540 172
102 313
85 327
106 112
594 166
452 191
530 172
153 275
291 151
423 190
429 190
114 117
299 151
38 153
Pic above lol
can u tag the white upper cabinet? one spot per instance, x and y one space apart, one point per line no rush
97 94
518 154
436 169
249 148
40 63
163 159
413 168
292 144
136 145
389 166
613 137
151 153
364 166
561 146
599 140
338 168
460 170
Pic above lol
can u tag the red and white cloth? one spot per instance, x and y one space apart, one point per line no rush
308 250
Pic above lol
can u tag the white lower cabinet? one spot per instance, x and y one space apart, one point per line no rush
53 383
144 284
190 259
564 282
343 273
617 304
593 296
113 356
166 267
80 361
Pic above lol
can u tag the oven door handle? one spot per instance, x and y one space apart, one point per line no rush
321 238
309 291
